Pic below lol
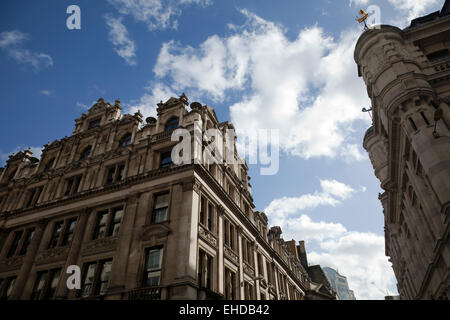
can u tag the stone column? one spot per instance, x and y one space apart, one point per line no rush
241 266
28 260
221 270
120 261
275 276
256 268
72 257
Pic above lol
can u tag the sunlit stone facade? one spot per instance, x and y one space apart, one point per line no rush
407 73
110 200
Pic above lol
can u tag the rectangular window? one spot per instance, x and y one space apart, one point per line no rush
108 223
68 233
205 270
96 278
26 243
230 285
33 196
159 213
166 159
202 210
260 265
46 284
6 287
209 221
15 244
115 173
55 235
72 185
153 263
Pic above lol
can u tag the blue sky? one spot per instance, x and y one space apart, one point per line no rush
262 64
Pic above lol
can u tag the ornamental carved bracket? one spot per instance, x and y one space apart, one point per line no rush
158 230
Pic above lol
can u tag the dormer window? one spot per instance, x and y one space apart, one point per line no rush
125 141
172 124
94 124
86 153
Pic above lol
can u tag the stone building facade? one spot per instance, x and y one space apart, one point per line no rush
407 73
110 200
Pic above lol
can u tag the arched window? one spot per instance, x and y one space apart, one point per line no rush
86 153
126 140
172 123
49 164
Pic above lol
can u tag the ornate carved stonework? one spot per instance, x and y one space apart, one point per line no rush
249 269
11 264
231 255
100 245
52 255
208 236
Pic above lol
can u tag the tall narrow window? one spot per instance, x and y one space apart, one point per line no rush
202 210
125 140
209 222
230 285
159 213
166 159
72 185
33 196
68 233
153 263
55 235
6 287
46 284
96 278
115 173
204 270
26 243
172 124
108 223
15 244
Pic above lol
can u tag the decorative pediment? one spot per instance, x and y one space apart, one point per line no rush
52 255
100 246
99 107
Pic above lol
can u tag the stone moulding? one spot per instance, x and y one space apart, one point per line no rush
231 255
100 246
11 264
52 255
249 269
207 236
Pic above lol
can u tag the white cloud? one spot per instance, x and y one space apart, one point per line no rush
280 210
360 257
157 14
358 2
412 9
357 255
12 43
147 103
118 36
307 88
46 92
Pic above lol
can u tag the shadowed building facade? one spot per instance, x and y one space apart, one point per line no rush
407 73
110 200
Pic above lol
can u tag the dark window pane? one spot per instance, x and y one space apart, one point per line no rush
28 237
88 280
53 284
55 236
126 140
101 224
104 277
120 170
172 123
94 124
49 164
166 159
153 267
86 153
67 239
117 218
14 244
110 175
39 285
159 213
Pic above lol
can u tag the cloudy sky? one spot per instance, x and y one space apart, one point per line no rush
262 64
